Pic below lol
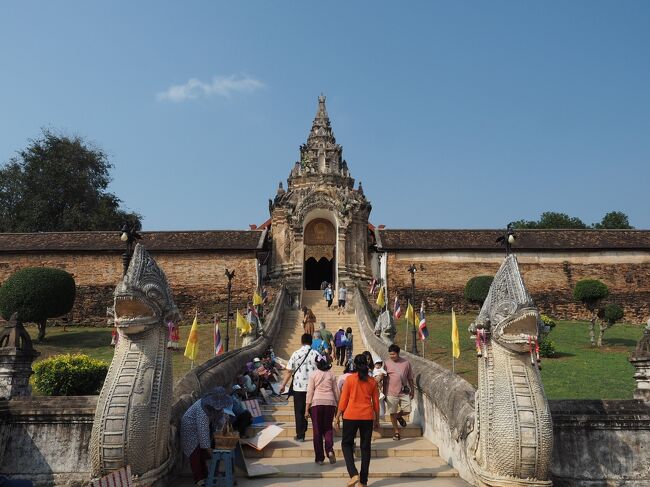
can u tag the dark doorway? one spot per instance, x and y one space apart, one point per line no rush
318 271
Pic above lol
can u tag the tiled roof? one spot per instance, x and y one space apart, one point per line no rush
154 241
526 240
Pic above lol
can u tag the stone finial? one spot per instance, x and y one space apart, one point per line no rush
16 357
640 359
360 188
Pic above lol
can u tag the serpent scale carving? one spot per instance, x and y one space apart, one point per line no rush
131 425
513 438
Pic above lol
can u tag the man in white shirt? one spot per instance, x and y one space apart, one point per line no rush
343 296
301 364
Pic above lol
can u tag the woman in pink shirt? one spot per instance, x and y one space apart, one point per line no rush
322 400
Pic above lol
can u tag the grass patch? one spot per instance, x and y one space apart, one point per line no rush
95 342
579 372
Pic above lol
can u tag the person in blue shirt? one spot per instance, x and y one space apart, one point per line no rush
319 344
242 418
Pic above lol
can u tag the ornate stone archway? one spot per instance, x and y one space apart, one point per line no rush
319 253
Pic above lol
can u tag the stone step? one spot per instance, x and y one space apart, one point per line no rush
278 481
286 416
385 431
381 448
380 468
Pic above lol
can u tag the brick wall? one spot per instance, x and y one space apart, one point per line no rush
197 279
549 277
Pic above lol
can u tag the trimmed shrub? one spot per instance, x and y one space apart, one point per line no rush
590 291
548 321
547 348
476 289
612 313
37 293
70 375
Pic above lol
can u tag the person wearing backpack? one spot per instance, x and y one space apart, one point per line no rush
339 346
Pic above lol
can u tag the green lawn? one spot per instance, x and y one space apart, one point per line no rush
95 342
579 371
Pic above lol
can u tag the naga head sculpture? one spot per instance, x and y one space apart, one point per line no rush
508 313
143 298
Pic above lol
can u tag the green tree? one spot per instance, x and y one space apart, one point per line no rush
477 288
614 220
36 294
59 183
590 292
550 220
610 315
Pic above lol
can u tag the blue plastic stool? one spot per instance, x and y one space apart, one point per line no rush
225 478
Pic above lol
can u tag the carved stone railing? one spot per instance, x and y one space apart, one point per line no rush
444 402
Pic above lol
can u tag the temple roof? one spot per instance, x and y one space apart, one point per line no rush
211 240
484 240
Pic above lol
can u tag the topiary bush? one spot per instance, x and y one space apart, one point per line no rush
476 289
612 313
70 375
37 293
590 292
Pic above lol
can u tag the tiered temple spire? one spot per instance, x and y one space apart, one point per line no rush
321 153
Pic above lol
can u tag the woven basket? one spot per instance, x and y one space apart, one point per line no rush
226 439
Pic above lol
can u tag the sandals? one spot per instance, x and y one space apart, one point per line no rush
401 421
353 481
397 437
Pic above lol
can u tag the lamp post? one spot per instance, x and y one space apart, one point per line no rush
229 275
414 344
128 236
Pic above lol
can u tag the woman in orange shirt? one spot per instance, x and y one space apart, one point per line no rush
359 406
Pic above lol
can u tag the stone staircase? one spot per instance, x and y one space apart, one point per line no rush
412 461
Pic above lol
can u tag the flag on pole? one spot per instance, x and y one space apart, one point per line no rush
257 299
424 332
218 344
397 310
455 341
242 324
410 314
252 316
373 287
192 347
380 298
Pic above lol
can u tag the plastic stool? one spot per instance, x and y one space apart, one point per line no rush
225 478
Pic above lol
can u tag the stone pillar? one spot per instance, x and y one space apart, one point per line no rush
16 357
641 361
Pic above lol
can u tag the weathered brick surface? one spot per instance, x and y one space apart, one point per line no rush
197 278
441 279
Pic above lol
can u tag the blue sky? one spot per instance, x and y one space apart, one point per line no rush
453 114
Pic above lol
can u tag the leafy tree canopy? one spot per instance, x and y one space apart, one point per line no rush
553 220
614 220
59 183
590 292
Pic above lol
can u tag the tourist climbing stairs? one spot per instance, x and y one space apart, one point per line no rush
413 459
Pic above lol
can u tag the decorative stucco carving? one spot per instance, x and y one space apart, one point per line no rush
513 438
131 424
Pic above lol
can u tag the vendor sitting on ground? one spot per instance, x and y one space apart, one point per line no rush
242 418
203 417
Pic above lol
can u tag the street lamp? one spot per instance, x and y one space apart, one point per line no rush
128 236
229 275
414 346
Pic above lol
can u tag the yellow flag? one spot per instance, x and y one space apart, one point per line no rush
257 299
192 347
410 314
380 298
455 341
243 325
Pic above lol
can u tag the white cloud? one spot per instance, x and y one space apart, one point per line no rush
219 86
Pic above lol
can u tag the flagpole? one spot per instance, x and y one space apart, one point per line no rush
406 339
236 328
